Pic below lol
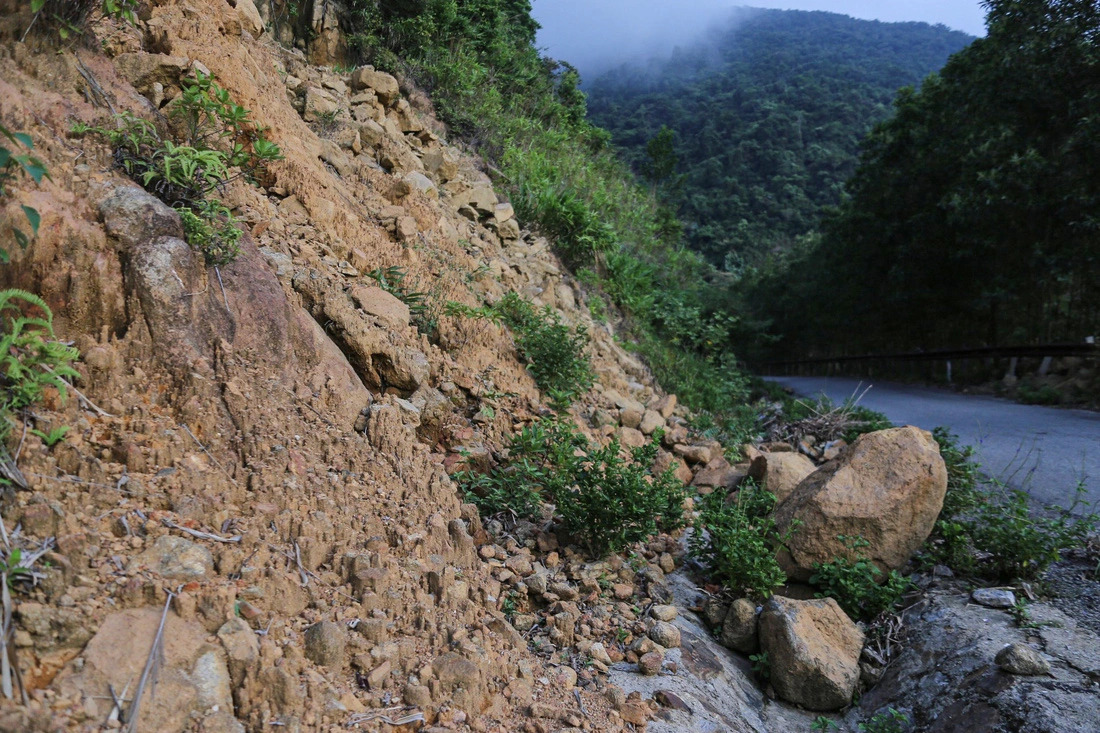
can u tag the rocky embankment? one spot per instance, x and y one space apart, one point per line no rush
255 483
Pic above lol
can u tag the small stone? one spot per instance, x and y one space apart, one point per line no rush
565 678
994 598
599 653
542 710
1022 660
650 663
665 634
671 700
650 422
324 644
379 675
664 613
175 557
739 630
622 591
519 565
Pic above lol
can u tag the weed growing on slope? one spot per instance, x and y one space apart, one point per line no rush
14 162
30 359
215 143
737 540
855 584
992 531
607 502
554 352
891 721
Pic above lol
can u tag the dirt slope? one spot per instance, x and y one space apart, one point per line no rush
270 408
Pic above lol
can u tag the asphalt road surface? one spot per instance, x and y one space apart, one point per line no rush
1042 450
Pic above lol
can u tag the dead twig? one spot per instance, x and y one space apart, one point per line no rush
99 96
384 716
225 299
152 664
199 534
88 404
208 454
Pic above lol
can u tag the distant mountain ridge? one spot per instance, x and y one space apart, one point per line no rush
768 113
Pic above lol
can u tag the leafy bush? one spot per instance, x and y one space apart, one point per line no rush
217 144
1019 544
615 502
554 352
604 500
212 229
12 164
541 465
737 540
1044 394
854 582
997 524
30 359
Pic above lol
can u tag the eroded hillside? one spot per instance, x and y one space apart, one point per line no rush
262 447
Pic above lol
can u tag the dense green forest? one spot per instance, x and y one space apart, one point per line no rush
971 219
767 113
974 217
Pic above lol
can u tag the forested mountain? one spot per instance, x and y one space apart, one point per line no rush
974 217
767 113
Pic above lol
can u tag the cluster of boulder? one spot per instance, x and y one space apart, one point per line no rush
887 487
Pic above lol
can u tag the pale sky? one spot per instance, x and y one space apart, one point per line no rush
593 33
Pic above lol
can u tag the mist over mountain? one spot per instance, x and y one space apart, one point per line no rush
767 112
595 35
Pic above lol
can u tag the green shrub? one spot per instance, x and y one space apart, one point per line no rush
216 143
1017 542
540 465
14 163
737 541
1044 394
554 352
615 502
854 582
212 229
605 501
998 524
30 359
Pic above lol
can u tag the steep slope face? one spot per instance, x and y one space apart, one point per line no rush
768 113
262 447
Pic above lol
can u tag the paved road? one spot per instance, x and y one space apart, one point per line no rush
1039 449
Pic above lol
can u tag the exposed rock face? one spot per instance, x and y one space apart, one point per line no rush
813 652
949 676
177 558
887 488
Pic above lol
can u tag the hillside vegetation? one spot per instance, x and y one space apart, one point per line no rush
972 218
527 115
766 113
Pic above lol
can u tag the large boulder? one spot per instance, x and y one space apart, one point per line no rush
813 652
887 488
